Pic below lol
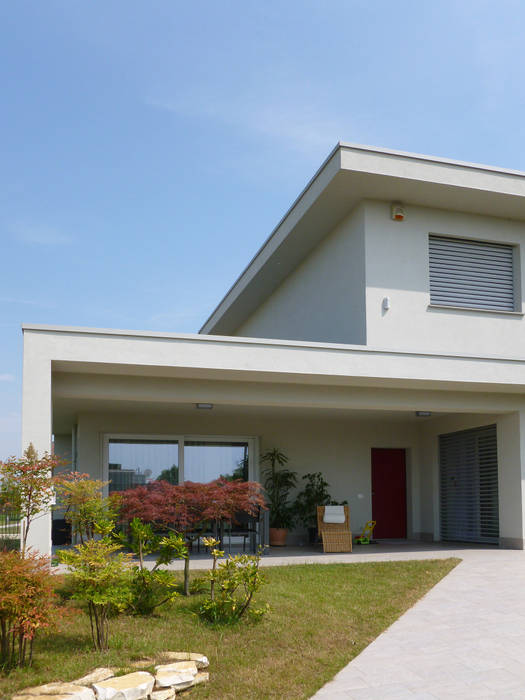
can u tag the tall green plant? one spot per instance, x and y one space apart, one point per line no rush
278 482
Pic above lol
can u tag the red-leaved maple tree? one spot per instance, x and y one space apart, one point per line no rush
189 507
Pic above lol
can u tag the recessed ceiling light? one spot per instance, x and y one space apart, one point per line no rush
204 406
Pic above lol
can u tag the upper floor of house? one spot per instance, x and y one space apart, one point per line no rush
394 251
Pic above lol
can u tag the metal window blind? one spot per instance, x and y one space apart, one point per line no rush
469 485
471 274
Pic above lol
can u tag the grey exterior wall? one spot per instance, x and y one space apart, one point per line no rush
324 298
336 294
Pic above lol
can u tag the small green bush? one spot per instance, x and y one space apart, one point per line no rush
233 583
151 588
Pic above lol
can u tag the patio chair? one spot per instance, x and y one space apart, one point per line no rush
243 526
333 524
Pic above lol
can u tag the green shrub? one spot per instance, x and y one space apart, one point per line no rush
102 579
86 509
152 588
233 584
199 584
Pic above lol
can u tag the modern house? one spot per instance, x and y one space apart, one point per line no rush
377 336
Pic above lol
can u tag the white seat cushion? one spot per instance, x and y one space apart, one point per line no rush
334 514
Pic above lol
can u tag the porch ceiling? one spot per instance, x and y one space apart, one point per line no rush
163 391
66 412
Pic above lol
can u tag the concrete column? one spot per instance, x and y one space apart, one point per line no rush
511 481
36 427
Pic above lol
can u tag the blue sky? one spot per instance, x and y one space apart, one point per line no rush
148 148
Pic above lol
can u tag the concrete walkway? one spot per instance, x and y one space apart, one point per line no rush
464 639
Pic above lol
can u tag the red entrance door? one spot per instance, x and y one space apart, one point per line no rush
389 500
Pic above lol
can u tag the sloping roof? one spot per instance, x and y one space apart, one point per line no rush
350 174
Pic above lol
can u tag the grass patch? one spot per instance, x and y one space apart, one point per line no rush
322 616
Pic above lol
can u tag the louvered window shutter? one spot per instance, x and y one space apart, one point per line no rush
471 274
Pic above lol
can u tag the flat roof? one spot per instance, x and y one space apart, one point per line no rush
269 342
349 174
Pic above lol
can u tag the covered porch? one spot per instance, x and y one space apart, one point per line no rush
385 464
344 411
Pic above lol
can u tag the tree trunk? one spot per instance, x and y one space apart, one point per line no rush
187 575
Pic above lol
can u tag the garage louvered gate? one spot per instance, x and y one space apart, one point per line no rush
469 485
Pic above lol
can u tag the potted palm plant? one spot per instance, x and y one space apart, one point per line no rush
278 482
315 493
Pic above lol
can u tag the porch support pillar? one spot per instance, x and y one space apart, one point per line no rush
511 479
36 428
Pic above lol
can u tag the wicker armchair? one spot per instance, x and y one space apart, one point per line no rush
336 536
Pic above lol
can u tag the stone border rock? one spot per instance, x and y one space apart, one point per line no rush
179 670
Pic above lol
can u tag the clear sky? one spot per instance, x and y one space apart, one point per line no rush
148 148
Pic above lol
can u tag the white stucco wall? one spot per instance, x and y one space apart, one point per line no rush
324 298
397 268
36 428
339 448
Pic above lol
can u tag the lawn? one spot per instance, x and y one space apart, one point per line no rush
322 616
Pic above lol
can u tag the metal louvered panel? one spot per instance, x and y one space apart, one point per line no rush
468 463
472 274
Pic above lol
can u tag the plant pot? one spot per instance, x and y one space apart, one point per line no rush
278 536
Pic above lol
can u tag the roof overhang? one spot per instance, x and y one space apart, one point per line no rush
350 174
188 356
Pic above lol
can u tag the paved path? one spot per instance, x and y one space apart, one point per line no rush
464 639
